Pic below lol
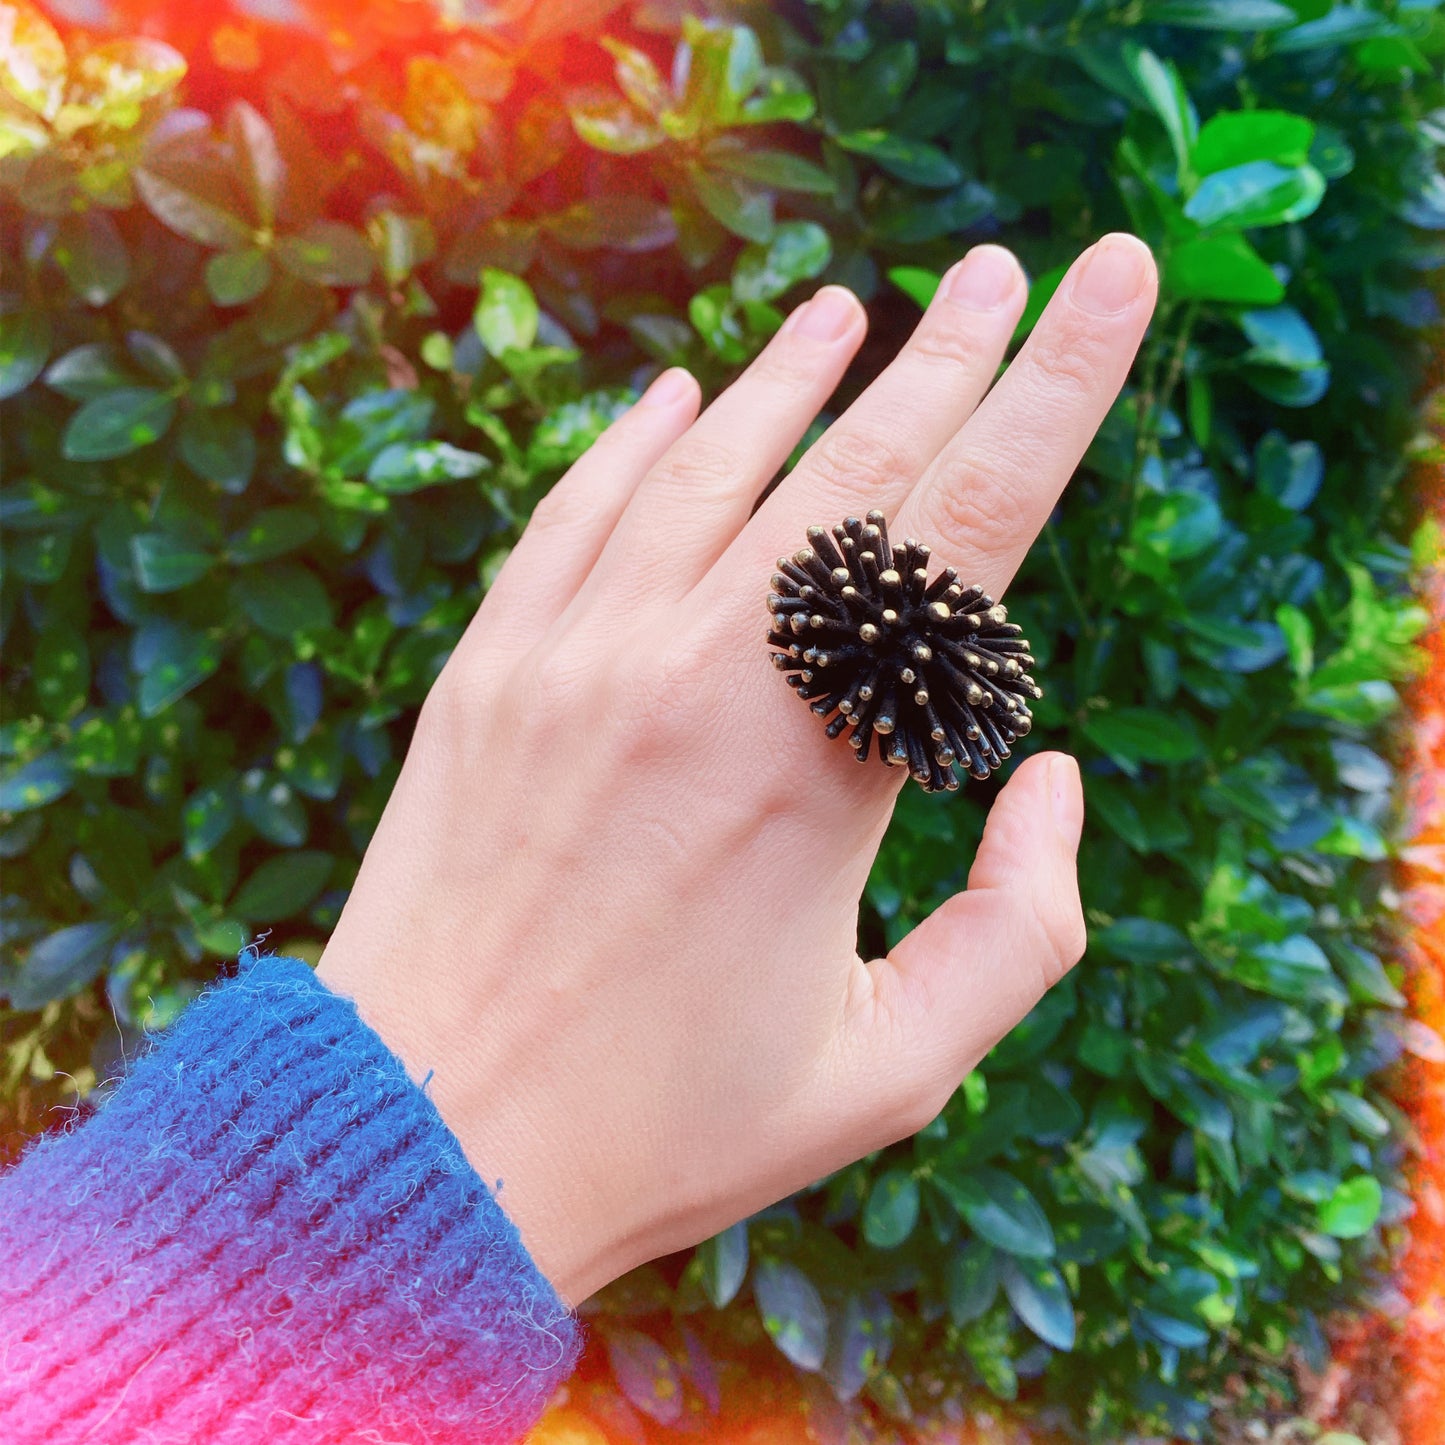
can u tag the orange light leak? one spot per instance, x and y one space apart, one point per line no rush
365 39
1421 1350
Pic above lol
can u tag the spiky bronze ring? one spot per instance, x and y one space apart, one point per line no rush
934 668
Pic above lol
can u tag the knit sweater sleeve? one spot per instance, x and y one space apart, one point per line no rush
268 1233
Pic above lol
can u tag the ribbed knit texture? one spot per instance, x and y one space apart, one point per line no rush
267 1234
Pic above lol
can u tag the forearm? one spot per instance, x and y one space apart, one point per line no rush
267 1233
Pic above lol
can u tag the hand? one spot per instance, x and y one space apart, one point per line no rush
612 903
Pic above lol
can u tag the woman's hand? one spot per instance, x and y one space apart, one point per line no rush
612 903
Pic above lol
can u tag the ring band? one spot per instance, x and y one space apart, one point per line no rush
934 668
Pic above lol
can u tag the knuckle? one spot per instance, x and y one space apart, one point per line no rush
1068 363
780 368
845 463
557 507
971 510
1061 936
938 343
697 465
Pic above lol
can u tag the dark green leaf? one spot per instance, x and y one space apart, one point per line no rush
24 348
117 423
1040 1298
1145 735
327 253
892 1209
792 1312
284 600
646 1374
1220 14
62 964
910 160
282 887
34 784
191 214
725 1263
273 532
171 658
236 277
998 1208
166 563
219 447
971 1281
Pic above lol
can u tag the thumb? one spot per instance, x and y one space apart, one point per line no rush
974 967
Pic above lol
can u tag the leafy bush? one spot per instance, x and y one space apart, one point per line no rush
300 327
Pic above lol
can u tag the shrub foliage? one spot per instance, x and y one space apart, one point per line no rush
299 323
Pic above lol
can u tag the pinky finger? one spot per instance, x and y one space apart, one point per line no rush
570 525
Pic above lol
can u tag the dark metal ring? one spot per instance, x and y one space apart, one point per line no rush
934 668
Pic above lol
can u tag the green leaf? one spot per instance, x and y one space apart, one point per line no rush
998 1208
62 963
236 277
171 658
910 160
408 467
1219 14
270 805
34 784
971 1280
218 447
1258 193
1162 86
608 123
190 214
1290 472
327 253
24 348
90 371
89 249
645 1373
745 211
1133 735
1234 137
507 315
285 600
209 814
282 886
724 1264
780 169
798 251
1353 1208
166 563
891 1210
117 423
1281 337
258 158
1343 25
272 532
1223 267
792 1312
1040 1298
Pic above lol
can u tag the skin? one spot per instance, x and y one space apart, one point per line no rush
612 904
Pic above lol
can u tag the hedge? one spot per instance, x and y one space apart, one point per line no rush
302 318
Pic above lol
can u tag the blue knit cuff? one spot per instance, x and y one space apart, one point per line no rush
268 1232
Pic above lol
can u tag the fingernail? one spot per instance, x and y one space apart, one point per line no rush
1113 274
827 316
1066 797
669 388
983 280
